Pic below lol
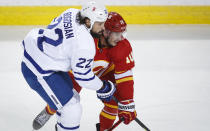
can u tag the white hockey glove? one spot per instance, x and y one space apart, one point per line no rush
107 91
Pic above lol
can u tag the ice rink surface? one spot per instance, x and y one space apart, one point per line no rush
172 81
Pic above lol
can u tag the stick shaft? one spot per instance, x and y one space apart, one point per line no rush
141 124
115 125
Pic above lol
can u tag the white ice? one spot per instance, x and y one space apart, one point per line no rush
172 81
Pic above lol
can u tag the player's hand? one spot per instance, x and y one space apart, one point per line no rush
107 91
127 111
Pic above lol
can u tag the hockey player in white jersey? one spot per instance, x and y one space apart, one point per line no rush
65 45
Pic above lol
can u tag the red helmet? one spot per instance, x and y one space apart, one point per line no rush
115 23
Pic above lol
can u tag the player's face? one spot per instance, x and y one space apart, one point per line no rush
98 28
114 37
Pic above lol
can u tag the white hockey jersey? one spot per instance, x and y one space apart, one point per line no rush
65 45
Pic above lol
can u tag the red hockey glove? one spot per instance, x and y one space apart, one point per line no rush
127 111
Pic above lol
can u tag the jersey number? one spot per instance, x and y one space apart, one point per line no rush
84 63
49 40
129 59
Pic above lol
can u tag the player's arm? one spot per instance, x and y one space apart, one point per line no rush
121 56
123 61
82 65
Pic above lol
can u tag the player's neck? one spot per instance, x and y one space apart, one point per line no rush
103 42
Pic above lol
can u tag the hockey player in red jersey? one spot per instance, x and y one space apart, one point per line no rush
113 61
118 71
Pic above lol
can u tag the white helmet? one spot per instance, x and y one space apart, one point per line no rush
94 12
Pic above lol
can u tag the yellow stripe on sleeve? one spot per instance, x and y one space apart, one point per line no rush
120 72
124 79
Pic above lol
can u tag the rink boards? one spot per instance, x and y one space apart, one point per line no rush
42 15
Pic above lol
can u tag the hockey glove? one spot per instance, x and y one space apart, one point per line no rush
127 111
107 91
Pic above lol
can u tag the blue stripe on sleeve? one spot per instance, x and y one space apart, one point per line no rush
83 73
81 79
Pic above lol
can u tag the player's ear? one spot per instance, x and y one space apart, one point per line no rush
87 23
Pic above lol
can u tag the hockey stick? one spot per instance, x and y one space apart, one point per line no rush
116 124
136 119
